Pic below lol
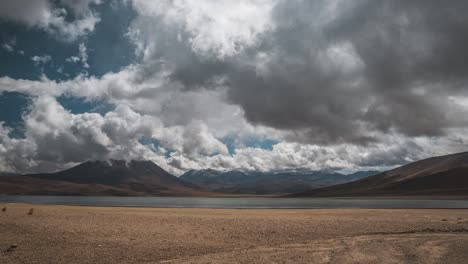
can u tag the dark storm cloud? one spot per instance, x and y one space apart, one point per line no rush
340 71
407 45
402 46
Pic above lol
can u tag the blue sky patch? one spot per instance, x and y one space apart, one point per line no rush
28 52
13 105
255 142
80 105
155 143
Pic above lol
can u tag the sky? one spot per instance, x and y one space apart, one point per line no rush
264 85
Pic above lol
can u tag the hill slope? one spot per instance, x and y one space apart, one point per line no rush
444 175
115 177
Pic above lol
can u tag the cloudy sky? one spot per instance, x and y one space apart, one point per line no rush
248 84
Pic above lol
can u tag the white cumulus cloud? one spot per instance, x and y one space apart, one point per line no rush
51 17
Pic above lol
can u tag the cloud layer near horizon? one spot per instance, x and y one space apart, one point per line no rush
337 84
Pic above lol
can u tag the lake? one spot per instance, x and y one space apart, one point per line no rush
258 203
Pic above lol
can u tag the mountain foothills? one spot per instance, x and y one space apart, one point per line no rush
437 176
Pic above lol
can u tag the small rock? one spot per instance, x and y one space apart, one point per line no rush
444 220
12 247
31 211
4 209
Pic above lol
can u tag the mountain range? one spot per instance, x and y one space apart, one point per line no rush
437 176
253 182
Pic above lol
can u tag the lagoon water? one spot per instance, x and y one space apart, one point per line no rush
258 203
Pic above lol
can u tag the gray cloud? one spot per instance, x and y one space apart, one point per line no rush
387 65
55 137
339 84
67 19
335 71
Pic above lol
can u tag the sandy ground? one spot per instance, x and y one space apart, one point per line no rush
72 234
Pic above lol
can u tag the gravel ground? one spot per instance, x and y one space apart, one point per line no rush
75 234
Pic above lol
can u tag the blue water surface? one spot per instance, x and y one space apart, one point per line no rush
257 203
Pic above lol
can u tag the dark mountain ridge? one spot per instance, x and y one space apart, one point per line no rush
252 182
443 175
115 172
102 178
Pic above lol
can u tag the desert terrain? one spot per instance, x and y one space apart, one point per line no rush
75 234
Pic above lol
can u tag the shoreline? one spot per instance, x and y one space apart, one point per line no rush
97 207
231 208
261 203
279 196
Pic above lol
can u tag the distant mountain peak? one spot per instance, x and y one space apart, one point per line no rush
255 182
142 173
208 170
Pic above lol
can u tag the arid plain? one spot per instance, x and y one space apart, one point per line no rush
75 234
